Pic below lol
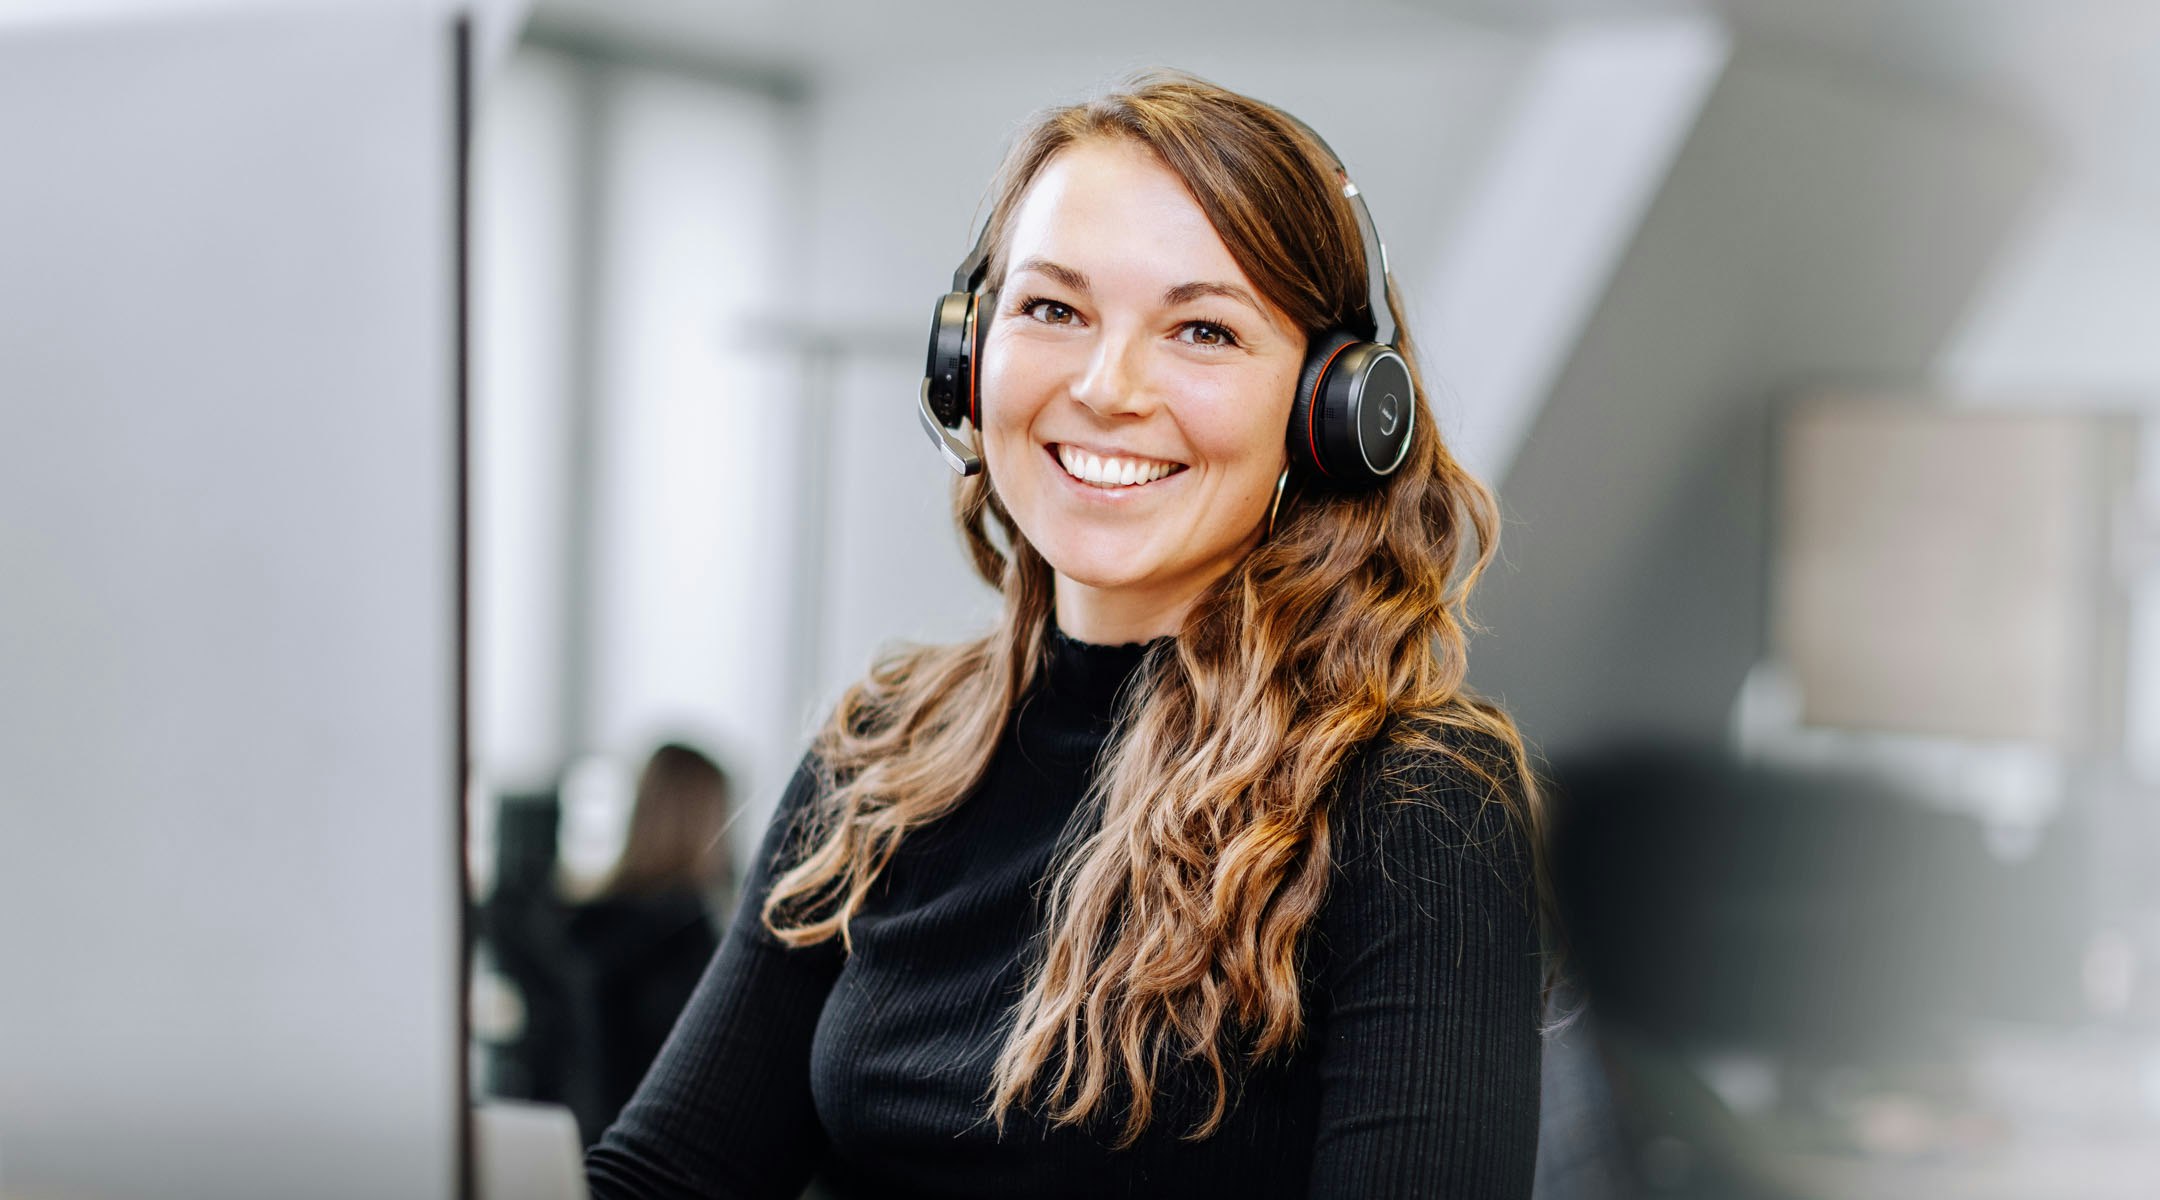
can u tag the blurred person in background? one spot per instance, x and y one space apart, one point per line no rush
1201 873
635 949
602 963
673 839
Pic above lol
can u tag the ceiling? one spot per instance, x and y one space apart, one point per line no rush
2084 73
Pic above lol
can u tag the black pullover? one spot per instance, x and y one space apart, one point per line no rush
1417 1075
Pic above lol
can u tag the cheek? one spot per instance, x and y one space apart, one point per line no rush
1241 428
1011 390
1006 412
1017 383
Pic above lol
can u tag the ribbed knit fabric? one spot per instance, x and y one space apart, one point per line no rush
1417 1075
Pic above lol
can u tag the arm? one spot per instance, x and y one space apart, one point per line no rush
725 1112
1429 1002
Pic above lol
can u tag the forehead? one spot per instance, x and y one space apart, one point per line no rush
1109 205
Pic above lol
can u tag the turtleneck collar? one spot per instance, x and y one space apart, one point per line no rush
1069 713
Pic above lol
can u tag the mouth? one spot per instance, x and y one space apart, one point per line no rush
1111 472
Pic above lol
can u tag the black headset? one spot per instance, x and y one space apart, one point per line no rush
1350 423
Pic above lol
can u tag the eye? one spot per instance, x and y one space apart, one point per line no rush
1049 312
1206 333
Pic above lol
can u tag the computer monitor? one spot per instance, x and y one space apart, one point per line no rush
231 651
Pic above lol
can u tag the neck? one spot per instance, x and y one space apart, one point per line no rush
1112 618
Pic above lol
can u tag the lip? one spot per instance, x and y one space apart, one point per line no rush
1109 495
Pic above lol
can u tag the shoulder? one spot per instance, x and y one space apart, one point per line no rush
797 819
1436 795
806 785
1433 871
909 682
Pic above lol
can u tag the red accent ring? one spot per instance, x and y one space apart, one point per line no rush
1312 407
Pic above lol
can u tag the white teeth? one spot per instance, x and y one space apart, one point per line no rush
1111 472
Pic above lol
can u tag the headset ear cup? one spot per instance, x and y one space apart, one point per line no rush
1355 410
947 373
1307 439
1368 410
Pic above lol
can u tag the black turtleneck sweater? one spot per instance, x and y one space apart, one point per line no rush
1417 1074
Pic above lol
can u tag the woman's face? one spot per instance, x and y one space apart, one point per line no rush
1135 391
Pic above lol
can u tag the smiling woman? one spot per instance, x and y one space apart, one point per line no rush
1202 872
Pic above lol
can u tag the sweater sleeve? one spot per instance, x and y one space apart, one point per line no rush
726 1110
1429 1049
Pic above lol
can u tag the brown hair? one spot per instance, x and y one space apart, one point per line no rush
1174 928
676 821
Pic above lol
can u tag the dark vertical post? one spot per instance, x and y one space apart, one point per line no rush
461 224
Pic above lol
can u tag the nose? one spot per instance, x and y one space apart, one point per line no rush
1113 382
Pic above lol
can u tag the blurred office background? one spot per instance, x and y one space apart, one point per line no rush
1812 350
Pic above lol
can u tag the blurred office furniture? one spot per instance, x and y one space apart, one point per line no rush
1789 946
1583 1152
1814 913
230 644
526 1152
1951 601
520 942
1813 921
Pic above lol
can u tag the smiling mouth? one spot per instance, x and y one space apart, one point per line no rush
1112 472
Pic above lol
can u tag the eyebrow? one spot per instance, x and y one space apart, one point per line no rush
1186 293
1183 293
1058 271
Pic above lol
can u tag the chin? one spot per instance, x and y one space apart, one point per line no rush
1093 563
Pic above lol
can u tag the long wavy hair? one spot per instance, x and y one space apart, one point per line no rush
1174 927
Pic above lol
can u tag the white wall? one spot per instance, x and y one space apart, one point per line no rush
634 446
2068 322
524 233
692 447
2073 307
1817 224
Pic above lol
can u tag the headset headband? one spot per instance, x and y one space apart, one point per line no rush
1378 294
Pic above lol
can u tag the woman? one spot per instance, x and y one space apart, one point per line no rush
1200 874
632 950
